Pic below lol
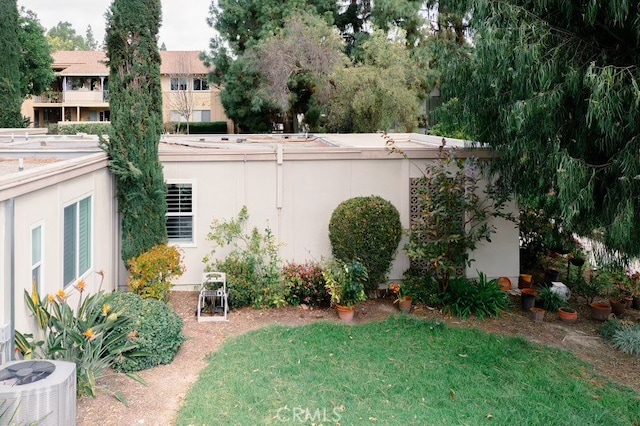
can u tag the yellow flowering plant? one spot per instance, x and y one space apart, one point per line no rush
89 335
152 271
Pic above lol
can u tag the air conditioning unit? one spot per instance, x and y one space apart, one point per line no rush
38 392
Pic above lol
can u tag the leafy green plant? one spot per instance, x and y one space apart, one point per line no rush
551 301
610 327
627 340
252 266
155 329
589 287
345 282
93 336
368 229
455 216
422 286
95 128
152 271
480 297
305 283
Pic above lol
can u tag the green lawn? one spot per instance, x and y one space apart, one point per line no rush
400 371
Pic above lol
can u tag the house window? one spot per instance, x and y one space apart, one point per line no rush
180 212
179 83
176 117
36 258
77 242
200 84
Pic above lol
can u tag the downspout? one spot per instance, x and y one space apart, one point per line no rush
9 272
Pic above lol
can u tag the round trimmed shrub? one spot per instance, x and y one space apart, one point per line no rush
368 229
155 327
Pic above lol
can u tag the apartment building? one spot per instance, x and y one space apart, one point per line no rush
80 91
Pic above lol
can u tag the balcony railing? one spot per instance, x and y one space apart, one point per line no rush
48 98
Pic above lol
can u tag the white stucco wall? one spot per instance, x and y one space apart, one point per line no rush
44 206
298 205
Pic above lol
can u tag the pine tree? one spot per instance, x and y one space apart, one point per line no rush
552 87
10 100
136 122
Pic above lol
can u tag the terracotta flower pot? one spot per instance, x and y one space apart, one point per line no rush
618 306
346 312
537 314
600 311
567 314
404 304
525 281
504 283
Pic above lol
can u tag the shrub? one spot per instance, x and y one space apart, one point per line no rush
610 327
156 329
422 286
627 340
91 128
480 297
215 127
305 283
93 336
252 266
152 271
455 216
367 229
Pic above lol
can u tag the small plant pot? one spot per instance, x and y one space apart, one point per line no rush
618 306
636 302
405 304
504 283
567 314
537 314
600 311
346 313
525 281
528 298
628 302
577 261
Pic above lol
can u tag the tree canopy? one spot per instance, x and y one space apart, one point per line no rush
260 46
136 123
64 37
10 99
553 88
36 73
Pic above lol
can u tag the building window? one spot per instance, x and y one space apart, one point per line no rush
77 240
179 83
180 212
176 117
200 84
201 116
36 259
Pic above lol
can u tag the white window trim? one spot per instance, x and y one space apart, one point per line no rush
194 210
79 276
40 264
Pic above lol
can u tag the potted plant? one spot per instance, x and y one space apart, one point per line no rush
528 298
567 314
537 314
403 298
634 286
345 283
551 301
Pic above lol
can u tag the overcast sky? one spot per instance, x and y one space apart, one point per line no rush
184 25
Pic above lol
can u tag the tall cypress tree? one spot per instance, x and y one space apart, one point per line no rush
136 122
10 100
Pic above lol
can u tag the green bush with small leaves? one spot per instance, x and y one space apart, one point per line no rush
156 330
90 128
367 229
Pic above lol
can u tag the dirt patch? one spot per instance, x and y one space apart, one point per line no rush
159 401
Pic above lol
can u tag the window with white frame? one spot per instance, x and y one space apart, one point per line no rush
179 83
200 84
180 212
36 258
77 240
